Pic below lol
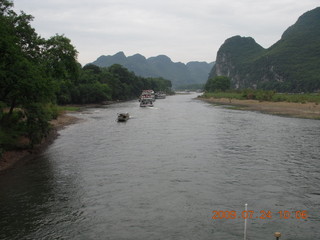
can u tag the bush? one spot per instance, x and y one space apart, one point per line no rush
37 123
219 83
260 95
11 128
52 111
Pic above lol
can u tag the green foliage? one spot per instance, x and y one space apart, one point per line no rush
52 110
92 93
37 123
228 94
263 95
298 98
27 83
260 95
8 139
60 58
157 84
96 84
59 61
11 128
219 83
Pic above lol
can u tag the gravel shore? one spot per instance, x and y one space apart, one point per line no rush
300 110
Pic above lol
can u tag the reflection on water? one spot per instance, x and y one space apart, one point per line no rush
161 174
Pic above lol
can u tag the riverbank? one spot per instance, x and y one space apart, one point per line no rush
300 110
10 159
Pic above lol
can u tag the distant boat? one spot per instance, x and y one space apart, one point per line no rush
160 95
122 117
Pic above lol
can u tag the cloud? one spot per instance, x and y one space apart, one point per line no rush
184 30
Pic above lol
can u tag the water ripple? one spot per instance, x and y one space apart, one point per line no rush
160 176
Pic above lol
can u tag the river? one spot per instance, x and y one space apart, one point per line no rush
164 173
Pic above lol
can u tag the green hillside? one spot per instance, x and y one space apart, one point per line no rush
290 65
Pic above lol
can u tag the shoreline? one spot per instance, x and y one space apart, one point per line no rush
307 110
10 159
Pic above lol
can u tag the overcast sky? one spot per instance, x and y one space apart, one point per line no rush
184 30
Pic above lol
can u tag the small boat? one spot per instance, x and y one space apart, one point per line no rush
122 117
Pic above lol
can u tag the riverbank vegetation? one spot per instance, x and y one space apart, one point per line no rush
218 83
39 74
303 105
220 87
263 95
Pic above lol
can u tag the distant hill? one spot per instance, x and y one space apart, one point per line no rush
160 66
291 65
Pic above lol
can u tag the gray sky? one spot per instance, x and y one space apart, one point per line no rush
184 30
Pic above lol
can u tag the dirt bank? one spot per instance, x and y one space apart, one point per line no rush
12 158
300 110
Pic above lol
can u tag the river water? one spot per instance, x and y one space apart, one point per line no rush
162 174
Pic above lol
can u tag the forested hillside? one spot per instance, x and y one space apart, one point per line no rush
290 65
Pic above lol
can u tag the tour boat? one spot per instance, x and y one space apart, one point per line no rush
147 94
145 102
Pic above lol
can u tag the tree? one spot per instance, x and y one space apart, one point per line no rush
219 83
37 123
60 58
26 61
93 68
60 62
22 80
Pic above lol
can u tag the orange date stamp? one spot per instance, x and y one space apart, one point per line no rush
263 214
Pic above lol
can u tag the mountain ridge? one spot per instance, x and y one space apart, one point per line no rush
193 72
292 64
